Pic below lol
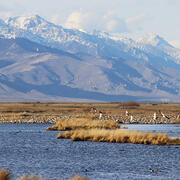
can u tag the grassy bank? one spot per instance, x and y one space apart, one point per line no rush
6 175
71 108
119 136
37 112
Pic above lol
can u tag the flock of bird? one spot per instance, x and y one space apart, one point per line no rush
155 115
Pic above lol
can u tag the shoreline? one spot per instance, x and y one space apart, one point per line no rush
123 113
52 119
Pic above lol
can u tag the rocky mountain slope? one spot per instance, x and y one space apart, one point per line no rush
40 61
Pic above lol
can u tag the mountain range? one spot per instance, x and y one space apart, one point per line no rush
41 61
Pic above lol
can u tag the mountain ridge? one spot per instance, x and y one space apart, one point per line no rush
38 57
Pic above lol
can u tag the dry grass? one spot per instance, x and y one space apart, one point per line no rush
71 108
4 174
79 178
119 136
13 111
31 177
37 178
79 123
177 121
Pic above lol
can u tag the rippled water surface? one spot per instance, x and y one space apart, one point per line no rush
29 148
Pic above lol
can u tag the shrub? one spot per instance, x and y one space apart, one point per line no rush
130 104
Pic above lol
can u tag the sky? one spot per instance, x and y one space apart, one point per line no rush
131 17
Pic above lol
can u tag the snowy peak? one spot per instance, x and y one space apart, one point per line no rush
27 22
154 40
39 30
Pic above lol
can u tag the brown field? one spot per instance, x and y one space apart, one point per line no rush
119 136
71 108
64 124
37 112
6 175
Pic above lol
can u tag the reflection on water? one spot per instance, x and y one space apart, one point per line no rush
29 148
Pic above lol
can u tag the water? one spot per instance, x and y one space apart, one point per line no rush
29 148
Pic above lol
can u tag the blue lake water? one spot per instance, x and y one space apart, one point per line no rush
29 148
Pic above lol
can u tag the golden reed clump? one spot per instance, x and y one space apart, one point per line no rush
79 178
79 123
5 175
119 136
31 177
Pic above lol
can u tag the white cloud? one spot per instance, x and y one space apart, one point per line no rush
135 18
175 43
5 15
116 26
57 19
110 14
77 20
89 21
113 23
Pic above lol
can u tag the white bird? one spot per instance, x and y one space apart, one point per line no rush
127 113
164 116
155 116
131 118
100 115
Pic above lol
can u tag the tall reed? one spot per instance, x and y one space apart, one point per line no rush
64 124
119 136
4 174
31 177
79 178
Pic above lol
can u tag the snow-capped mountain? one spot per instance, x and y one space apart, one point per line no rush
96 43
155 44
39 59
154 40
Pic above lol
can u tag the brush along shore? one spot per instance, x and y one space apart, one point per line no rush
142 113
29 118
79 123
119 136
6 175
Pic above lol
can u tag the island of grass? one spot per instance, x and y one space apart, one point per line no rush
108 131
82 123
119 136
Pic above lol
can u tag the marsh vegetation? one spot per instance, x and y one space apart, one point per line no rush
119 136
83 123
6 175
38 112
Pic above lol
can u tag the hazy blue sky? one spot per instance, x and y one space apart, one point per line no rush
117 16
